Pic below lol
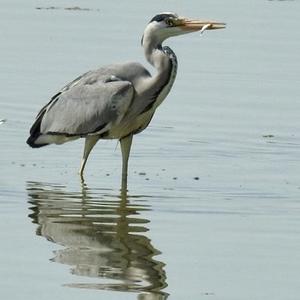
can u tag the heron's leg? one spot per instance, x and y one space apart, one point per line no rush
125 149
90 142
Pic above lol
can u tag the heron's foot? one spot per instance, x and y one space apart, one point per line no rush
82 181
80 173
81 169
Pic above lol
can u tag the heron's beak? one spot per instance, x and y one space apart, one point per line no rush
196 25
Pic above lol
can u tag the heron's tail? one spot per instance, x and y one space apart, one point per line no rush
32 142
35 133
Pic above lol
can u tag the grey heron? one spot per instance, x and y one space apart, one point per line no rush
119 100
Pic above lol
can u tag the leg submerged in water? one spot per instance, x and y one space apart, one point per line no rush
90 142
125 149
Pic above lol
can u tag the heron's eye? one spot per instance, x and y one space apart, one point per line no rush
170 22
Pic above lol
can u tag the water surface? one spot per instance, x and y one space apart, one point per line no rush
213 206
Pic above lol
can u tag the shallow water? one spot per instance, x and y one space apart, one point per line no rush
213 205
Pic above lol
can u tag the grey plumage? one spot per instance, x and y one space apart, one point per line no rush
116 101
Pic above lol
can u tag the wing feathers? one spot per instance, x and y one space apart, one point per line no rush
91 104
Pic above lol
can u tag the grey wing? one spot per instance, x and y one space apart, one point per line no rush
90 104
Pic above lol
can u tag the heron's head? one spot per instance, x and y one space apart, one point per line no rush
166 25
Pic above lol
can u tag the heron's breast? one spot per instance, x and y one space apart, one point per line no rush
129 126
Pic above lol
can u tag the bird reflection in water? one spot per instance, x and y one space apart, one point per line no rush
103 237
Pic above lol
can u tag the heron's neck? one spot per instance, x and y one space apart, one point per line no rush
156 56
163 59
165 62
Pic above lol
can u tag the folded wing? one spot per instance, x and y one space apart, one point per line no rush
91 104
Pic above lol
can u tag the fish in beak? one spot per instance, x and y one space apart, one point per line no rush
199 25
